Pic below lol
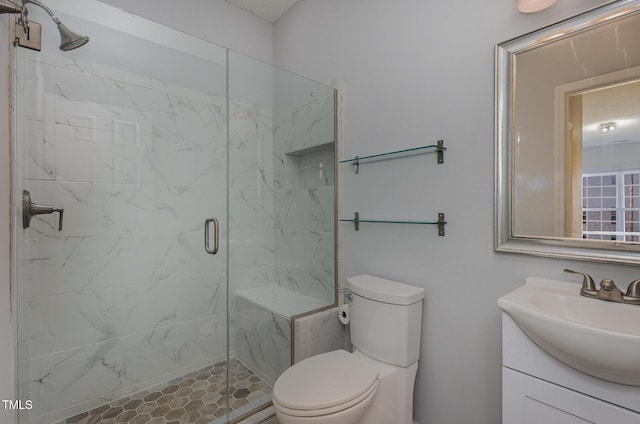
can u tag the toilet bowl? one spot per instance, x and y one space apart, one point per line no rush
330 388
372 385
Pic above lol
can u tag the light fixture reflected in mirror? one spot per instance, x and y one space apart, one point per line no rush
530 6
607 127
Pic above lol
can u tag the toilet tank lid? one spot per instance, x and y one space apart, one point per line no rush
382 290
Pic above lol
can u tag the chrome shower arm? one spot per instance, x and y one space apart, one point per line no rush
43 6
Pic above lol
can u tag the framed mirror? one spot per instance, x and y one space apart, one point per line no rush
568 138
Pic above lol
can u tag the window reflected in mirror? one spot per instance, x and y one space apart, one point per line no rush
575 120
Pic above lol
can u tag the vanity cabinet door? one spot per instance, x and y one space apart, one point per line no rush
528 400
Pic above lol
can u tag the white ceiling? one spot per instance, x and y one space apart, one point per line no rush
619 103
267 9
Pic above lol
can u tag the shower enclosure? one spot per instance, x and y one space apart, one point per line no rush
152 141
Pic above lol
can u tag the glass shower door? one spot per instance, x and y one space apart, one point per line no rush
122 313
281 217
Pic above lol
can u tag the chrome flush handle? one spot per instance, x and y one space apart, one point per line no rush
29 209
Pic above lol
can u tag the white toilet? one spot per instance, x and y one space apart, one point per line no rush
372 385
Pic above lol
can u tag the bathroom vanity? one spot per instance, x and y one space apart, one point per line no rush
537 388
571 354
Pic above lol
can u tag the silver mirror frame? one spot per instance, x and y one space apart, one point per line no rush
553 247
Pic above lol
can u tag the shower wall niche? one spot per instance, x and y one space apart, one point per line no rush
140 137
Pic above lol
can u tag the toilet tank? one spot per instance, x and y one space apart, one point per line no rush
386 318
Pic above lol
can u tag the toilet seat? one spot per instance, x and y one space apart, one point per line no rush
308 413
325 384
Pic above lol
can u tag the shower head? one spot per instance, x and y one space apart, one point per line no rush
69 40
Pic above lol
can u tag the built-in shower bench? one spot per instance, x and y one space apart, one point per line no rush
280 300
262 324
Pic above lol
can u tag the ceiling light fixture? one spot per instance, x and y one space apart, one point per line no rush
530 6
607 127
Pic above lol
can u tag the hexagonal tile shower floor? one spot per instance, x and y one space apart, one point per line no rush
199 397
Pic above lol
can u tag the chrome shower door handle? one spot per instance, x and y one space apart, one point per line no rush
216 232
29 209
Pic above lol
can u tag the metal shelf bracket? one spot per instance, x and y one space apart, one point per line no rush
441 223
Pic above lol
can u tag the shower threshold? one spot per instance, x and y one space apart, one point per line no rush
199 397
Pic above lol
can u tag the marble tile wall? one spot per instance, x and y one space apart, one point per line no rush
124 296
304 188
263 315
318 333
251 201
251 228
264 342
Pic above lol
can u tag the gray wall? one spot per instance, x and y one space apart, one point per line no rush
214 20
415 72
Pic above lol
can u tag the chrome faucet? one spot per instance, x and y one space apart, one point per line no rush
633 293
608 290
588 285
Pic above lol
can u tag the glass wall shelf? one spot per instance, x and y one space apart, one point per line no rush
438 148
440 222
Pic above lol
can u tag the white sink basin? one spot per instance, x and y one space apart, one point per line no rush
599 338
